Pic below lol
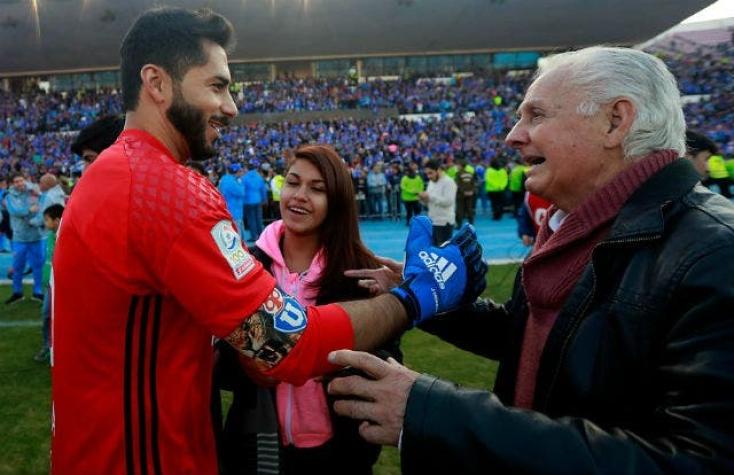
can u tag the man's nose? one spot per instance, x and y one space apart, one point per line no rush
518 136
229 108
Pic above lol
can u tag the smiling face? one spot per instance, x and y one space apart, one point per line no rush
202 104
303 199
565 149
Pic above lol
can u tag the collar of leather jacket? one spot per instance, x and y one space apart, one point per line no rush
642 215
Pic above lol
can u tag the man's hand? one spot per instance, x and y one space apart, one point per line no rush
381 280
380 401
437 279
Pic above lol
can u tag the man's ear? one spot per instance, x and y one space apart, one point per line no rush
157 83
620 115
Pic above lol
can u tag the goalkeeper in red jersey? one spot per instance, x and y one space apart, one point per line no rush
149 267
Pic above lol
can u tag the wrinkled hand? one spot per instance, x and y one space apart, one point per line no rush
437 279
380 402
380 280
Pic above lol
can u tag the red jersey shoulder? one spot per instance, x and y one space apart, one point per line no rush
166 197
166 191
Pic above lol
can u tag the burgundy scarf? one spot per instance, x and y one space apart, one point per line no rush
558 259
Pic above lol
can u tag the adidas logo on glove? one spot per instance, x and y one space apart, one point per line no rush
441 268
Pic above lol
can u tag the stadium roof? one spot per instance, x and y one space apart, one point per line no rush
39 36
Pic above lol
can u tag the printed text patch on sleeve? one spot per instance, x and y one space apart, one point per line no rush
229 244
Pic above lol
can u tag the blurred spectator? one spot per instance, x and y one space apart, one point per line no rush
698 150
440 198
495 182
5 231
465 193
411 186
256 196
233 191
530 217
517 185
22 204
718 175
51 221
276 185
96 137
376 186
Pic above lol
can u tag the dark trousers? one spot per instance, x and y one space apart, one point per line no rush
254 219
442 234
465 209
497 198
722 184
518 200
412 208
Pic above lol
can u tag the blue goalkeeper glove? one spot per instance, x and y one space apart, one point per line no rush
437 279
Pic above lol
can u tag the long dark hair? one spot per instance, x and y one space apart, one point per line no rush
339 233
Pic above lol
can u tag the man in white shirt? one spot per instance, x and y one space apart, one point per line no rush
440 198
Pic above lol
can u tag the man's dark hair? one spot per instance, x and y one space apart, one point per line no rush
98 135
433 164
54 211
198 167
15 175
171 38
696 142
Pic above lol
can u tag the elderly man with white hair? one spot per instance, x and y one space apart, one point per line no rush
51 194
616 349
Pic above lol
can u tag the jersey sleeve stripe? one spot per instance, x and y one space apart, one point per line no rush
142 420
142 333
129 459
153 393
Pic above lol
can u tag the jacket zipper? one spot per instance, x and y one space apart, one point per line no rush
578 317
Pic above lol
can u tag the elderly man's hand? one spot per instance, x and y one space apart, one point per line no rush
381 400
380 280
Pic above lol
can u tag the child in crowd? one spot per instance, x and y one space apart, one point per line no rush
51 220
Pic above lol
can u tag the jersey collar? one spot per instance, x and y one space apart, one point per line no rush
142 135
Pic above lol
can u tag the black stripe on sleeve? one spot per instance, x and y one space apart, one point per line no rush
153 393
142 341
127 386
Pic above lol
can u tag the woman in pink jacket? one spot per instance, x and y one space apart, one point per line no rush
307 252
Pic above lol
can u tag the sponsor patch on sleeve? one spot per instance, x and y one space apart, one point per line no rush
229 244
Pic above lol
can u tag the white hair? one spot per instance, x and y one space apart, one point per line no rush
603 74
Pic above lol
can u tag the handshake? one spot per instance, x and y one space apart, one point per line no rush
434 279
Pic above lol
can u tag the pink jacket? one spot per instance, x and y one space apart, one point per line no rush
303 413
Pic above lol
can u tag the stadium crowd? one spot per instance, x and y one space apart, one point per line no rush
470 117
150 258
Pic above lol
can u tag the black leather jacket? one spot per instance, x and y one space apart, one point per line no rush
637 376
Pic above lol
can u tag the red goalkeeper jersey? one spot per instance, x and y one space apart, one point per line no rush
148 268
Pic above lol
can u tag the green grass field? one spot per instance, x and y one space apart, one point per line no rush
25 384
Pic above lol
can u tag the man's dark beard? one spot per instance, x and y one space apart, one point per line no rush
190 122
